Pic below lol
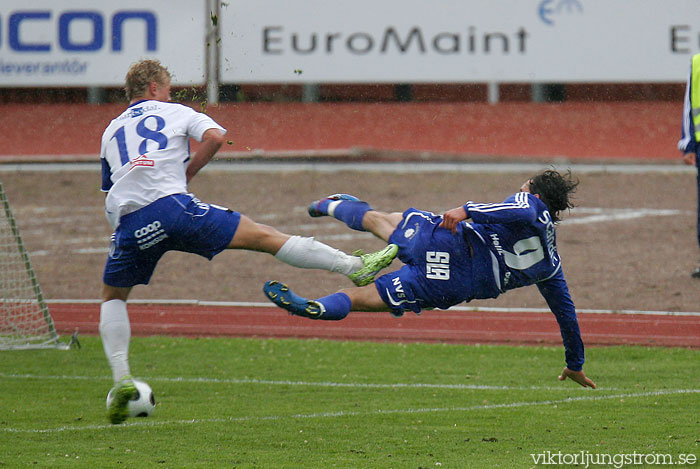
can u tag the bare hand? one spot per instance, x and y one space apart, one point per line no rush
578 376
451 218
689 159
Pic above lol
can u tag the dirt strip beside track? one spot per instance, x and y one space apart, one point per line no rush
521 328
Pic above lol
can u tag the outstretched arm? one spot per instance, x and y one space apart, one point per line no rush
556 293
211 142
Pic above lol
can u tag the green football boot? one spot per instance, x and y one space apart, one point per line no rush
122 393
372 263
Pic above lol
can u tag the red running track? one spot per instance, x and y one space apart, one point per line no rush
464 327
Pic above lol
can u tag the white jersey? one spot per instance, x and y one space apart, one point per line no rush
145 152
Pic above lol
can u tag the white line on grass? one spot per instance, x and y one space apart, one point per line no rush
327 384
505 405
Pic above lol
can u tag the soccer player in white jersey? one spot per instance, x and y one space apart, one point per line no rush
146 165
507 245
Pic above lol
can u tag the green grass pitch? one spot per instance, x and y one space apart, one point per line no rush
315 403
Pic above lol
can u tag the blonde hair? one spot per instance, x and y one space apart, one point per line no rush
141 75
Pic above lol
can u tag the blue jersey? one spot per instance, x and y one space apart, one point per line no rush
507 245
519 233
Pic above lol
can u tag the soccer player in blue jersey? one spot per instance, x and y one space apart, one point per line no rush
449 260
146 165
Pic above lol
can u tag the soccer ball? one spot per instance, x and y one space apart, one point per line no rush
143 404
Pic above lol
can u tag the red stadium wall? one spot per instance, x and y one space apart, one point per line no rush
637 130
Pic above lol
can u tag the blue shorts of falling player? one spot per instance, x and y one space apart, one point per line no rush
442 269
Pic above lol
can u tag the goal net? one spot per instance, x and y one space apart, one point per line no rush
25 321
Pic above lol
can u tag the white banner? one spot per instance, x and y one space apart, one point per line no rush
93 42
412 41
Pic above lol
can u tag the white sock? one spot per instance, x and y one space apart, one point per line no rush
332 206
307 253
115 331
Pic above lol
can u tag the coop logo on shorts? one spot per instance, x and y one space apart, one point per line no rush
148 229
150 235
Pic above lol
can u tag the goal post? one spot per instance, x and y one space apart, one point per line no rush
25 321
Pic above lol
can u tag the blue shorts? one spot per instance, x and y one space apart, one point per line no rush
438 270
177 222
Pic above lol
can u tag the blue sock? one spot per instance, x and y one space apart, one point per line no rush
351 213
337 306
